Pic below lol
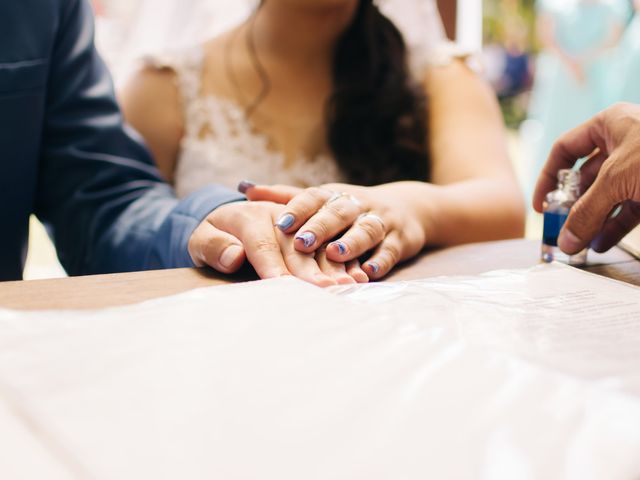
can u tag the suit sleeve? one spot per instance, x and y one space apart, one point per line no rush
99 192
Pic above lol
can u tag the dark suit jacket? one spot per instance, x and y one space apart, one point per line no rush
66 156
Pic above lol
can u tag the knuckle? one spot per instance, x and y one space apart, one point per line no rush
247 211
626 109
224 212
293 257
356 244
372 231
559 149
266 246
618 108
621 117
392 252
340 212
413 238
317 194
614 182
320 228
608 171
212 244
581 211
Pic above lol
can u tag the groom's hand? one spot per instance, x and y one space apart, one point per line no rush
243 231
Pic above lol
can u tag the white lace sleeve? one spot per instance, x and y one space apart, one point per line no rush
420 23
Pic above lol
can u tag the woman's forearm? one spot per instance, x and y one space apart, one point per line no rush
474 195
473 210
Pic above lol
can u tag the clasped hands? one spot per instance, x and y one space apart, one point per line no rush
327 235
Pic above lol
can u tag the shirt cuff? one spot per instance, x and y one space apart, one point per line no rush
172 250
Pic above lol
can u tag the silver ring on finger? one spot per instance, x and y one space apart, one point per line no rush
375 217
338 195
335 196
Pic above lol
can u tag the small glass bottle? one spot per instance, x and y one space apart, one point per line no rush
556 207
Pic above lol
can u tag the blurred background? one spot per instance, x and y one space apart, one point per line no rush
553 64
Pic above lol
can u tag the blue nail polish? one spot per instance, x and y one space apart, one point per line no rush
342 248
285 222
557 205
375 268
245 185
307 238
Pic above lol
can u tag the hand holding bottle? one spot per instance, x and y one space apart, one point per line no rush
610 179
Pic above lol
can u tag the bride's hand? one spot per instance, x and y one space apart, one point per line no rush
245 230
365 219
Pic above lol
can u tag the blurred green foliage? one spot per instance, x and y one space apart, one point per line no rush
504 19
511 23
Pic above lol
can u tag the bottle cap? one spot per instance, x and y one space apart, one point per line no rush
569 177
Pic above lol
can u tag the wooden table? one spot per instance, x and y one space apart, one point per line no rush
101 291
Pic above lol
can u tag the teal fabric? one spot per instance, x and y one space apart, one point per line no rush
559 102
628 73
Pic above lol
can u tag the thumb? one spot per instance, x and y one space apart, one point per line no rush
588 215
216 248
281 194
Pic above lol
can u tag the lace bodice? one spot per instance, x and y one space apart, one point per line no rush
220 145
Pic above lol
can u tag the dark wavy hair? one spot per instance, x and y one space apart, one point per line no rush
376 116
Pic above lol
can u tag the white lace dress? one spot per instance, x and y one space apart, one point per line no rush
232 150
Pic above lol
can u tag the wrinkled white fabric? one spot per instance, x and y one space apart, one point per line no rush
449 378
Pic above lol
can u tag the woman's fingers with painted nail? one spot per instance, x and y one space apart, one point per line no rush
245 186
304 206
366 234
387 255
334 217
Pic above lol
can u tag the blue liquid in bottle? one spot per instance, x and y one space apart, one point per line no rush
557 206
553 223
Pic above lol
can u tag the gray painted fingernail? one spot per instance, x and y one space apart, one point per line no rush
285 222
342 248
307 238
375 268
245 185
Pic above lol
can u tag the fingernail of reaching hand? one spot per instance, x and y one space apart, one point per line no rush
230 255
307 238
285 222
342 248
599 244
245 185
375 268
568 242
